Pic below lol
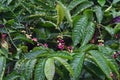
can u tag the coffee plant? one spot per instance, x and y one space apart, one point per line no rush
59 40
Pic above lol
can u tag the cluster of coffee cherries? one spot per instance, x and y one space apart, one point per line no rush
101 42
116 54
61 44
4 43
34 39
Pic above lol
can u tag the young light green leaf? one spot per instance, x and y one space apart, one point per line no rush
79 29
101 2
77 64
88 34
49 69
2 67
66 13
67 66
39 70
60 14
101 62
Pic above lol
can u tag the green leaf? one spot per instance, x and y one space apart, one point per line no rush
57 54
2 67
79 30
117 28
114 67
94 70
59 72
9 1
101 62
110 30
10 22
99 13
82 7
42 52
39 70
87 47
49 69
35 53
18 64
88 33
60 14
29 67
115 1
48 24
74 3
66 13
110 61
89 14
64 62
22 38
4 52
102 2
106 50
77 64
12 76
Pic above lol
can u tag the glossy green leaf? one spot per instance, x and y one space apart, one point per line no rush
29 68
67 66
105 50
49 69
39 70
102 2
57 54
60 14
66 13
79 30
88 33
99 13
34 54
101 62
82 7
110 61
74 3
89 14
77 64
2 67
94 69
18 64
87 47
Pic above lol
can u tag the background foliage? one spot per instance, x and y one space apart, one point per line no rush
59 39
